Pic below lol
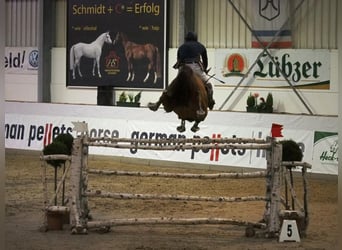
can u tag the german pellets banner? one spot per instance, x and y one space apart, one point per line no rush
305 69
31 126
116 43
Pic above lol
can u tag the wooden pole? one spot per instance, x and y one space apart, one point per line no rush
178 141
101 194
180 146
171 220
179 175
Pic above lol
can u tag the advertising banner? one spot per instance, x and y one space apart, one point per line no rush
116 43
326 151
33 131
305 69
21 60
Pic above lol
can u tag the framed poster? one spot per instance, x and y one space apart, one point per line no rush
116 43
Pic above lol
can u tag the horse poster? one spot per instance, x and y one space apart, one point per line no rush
116 43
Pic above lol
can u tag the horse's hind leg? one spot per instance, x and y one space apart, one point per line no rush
79 69
181 128
155 77
200 110
147 76
195 127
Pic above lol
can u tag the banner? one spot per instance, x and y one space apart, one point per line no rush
306 69
32 130
326 151
21 60
116 43
269 16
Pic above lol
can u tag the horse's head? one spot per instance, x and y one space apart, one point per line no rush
107 38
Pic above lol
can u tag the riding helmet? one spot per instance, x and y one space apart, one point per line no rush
191 36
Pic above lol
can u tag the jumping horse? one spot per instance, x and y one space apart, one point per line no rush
90 50
187 97
135 52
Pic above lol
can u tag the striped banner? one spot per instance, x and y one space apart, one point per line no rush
269 16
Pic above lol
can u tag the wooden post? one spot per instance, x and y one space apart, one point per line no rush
274 159
84 177
77 218
43 169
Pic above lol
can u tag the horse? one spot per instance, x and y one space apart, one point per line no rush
187 97
134 52
90 50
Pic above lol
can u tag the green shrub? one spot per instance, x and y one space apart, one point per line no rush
56 148
291 151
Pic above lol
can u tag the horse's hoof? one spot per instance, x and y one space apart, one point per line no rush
195 129
180 129
152 106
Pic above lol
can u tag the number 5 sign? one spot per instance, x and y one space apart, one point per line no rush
289 231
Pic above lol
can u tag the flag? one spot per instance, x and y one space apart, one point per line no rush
276 130
269 16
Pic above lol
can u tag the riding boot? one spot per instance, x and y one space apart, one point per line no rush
210 93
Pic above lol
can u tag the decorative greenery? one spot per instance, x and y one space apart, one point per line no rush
123 97
291 151
67 139
263 106
55 148
133 100
250 100
137 97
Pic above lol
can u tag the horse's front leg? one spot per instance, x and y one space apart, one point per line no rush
181 128
98 67
195 127
130 76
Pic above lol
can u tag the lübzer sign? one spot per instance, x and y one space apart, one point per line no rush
308 69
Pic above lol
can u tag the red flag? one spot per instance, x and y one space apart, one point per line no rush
276 130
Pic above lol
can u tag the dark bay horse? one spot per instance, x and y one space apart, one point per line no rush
135 52
187 97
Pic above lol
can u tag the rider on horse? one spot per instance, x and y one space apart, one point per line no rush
194 54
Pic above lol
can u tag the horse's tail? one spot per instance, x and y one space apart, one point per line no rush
158 66
72 57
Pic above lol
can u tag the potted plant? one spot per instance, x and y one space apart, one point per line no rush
269 103
251 103
129 100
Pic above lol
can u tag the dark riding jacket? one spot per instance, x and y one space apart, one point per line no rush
192 51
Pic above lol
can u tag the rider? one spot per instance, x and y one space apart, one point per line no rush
194 54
